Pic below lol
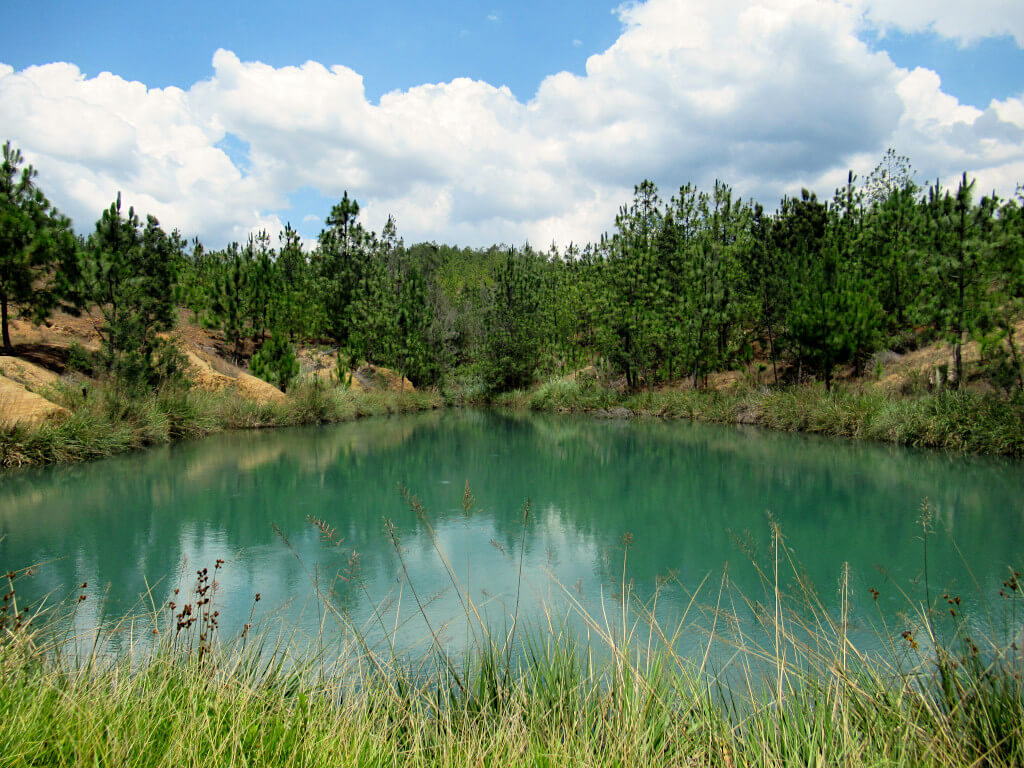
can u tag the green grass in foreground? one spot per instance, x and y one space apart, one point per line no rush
804 696
957 420
104 422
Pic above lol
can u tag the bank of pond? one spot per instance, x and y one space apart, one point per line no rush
514 588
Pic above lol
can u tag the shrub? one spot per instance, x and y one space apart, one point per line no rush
275 362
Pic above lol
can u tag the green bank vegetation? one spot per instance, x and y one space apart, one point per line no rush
955 419
103 421
790 689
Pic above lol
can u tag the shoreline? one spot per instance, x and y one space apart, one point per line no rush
952 420
102 423
99 425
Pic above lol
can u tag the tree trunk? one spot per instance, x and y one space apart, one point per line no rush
958 360
3 322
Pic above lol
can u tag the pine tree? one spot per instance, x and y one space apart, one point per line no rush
275 362
340 263
512 335
958 266
634 318
892 231
292 307
226 298
38 251
1005 357
411 350
833 312
130 274
258 257
764 284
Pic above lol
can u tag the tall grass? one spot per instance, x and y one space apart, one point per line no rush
105 421
615 693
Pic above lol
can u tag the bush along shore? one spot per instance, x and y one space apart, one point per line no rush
795 691
959 420
103 420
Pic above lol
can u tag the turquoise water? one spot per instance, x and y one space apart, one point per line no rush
695 500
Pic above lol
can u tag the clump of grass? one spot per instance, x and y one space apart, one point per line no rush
571 394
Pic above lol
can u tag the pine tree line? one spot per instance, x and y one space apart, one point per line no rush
682 288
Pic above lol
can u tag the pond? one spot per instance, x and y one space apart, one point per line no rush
567 510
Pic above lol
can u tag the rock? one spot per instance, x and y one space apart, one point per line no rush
19 406
613 413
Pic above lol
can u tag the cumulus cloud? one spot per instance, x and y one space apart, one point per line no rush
954 19
770 95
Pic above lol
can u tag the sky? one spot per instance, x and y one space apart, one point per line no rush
488 122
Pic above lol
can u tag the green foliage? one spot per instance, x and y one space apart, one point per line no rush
340 270
261 277
38 250
834 312
130 275
512 337
225 296
958 234
275 362
81 360
635 291
290 308
682 289
892 237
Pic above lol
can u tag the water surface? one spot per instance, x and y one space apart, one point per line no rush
695 500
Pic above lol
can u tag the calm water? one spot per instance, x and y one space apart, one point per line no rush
696 499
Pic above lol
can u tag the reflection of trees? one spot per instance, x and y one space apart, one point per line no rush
679 488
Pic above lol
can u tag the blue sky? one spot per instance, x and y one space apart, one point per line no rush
975 74
524 165
401 44
392 44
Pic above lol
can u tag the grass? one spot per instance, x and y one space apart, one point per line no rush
103 421
804 694
953 419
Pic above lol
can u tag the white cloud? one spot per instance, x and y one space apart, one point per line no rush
965 22
770 95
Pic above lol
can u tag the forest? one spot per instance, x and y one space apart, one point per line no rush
681 288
